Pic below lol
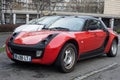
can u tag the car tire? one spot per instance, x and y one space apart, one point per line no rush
67 58
113 49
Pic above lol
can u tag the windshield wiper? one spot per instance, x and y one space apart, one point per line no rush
59 28
44 28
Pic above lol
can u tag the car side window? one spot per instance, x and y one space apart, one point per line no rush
100 25
96 23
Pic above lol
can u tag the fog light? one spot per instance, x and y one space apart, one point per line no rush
38 53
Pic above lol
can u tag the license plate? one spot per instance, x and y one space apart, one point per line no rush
22 57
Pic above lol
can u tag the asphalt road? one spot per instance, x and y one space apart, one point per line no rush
11 71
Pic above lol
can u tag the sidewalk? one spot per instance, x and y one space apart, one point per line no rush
3 37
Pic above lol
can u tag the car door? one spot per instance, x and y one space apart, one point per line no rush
93 38
101 34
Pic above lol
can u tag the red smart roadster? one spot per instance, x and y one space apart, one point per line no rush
63 42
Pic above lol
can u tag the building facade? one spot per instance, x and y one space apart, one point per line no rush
112 7
21 11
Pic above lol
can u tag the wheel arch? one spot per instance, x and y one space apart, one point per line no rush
113 52
107 49
116 38
69 41
73 41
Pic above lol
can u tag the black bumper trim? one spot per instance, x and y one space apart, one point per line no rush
29 50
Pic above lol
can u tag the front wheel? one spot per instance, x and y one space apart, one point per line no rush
113 49
67 58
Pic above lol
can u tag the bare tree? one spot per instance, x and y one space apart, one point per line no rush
54 4
0 11
9 5
87 6
43 5
40 6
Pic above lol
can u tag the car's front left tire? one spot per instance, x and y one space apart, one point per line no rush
67 58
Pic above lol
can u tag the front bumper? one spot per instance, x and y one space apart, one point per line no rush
48 56
29 50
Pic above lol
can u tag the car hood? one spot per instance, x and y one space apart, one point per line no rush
32 37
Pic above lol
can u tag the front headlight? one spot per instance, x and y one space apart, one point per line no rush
49 38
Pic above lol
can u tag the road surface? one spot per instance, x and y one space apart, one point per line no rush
11 71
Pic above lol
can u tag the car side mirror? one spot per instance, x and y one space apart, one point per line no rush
92 27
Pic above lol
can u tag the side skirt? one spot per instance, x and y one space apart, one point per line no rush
91 54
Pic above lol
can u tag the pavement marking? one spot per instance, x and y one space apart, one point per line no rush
95 72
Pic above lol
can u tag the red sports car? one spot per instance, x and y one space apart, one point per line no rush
64 42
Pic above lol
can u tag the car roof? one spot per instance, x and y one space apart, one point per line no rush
83 17
87 17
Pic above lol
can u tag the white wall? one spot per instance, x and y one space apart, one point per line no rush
112 7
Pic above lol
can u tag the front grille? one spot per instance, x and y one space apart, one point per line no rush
28 50
24 52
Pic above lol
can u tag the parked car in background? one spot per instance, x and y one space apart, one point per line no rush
63 42
37 24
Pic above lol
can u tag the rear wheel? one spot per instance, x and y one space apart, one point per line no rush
113 49
67 58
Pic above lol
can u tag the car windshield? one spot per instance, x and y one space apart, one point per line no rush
37 24
72 24
44 20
